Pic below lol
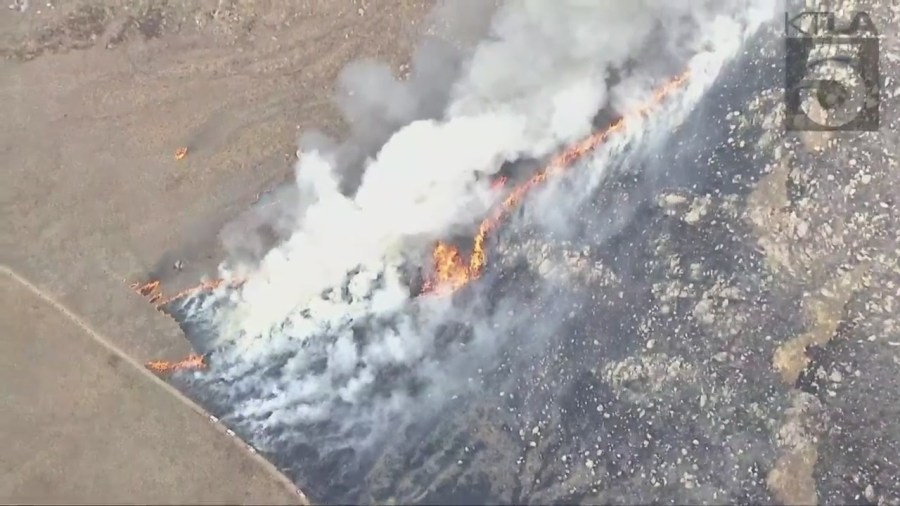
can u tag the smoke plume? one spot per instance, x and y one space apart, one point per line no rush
326 332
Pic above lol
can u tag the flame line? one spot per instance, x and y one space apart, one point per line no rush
450 270
191 362
152 291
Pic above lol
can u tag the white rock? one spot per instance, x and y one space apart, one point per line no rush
802 229
870 492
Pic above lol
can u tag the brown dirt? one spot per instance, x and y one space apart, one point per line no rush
98 95
101 93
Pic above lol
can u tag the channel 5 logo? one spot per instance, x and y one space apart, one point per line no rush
832 78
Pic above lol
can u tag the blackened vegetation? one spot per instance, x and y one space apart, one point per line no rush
627 402
658 388
855 378
554 418
850 417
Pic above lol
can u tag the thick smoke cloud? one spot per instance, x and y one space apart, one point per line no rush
374 103
325 331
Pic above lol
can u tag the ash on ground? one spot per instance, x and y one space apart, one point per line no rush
727 331
735 340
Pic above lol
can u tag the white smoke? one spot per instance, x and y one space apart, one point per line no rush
534 85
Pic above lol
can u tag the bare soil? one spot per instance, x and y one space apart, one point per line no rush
99 94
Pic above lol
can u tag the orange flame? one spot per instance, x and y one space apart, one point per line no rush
193 361
151 290
146 289
202 287
452 272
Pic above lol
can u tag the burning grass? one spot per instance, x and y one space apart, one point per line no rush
451 269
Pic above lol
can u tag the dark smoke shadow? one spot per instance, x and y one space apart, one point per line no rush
443 455
621 225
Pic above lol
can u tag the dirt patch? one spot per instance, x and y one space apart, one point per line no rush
71 25
102 93
79 29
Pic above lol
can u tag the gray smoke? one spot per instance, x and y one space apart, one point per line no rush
324 344
375 103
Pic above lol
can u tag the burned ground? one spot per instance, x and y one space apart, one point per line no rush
724 332
726 314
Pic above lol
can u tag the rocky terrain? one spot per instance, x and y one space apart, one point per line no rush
727 321
736 341
718 326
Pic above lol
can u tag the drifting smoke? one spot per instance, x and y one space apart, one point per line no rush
374 105
326 332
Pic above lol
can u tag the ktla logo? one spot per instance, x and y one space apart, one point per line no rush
832 74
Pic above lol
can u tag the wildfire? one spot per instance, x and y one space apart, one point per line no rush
452 272
154 295
193 361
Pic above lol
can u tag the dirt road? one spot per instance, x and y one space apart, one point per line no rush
97 96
